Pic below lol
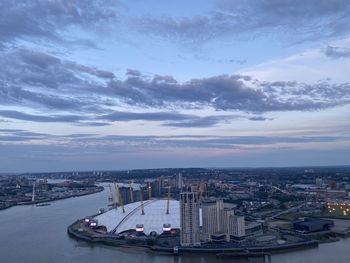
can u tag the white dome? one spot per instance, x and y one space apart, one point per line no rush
153 219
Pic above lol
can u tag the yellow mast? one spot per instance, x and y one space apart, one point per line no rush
141 200
168 200
131 193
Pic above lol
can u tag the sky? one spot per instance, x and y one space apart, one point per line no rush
113 85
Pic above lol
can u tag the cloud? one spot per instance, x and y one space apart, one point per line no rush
337 52
229 93
92 124
203 122
18 135
258 118
150 116
220 60
289 19
134 143
40 118
172 119
37 79
74 151
60 90
45 20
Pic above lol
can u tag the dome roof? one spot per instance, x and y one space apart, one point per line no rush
153 220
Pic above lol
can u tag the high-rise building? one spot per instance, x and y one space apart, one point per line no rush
179 183
189 219
211 218
219 223
236 227
226 218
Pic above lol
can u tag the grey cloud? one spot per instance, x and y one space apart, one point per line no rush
44 82
134 143
203 122
46 19
133 73
150 116
172 119
221 60
92 124
226 141
33 78
110 152
258 118
169 118
17 135
92 71
289 19
10 130
40 118
230 92
337 52
81 135
10 138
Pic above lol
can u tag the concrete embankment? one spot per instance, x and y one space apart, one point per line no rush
75 230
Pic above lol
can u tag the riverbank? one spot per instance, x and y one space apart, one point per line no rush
45 230
47 200
79 231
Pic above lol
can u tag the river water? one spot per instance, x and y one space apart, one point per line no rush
38 234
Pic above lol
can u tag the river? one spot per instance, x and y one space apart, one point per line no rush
38 234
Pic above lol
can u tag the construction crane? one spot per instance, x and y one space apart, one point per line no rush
131 193
168 200
149 191
120 199
141 201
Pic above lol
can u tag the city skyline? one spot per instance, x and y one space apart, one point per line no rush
113 85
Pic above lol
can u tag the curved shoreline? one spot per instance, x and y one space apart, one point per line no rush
75 231
96 190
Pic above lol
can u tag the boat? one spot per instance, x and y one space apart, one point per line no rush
43 204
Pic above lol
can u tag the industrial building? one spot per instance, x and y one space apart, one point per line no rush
313 225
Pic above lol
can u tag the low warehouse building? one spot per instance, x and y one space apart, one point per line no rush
313 225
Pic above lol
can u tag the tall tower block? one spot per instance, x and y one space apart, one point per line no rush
189 219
